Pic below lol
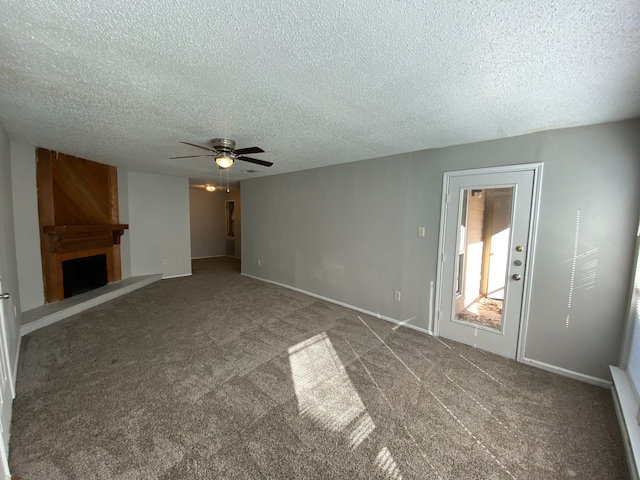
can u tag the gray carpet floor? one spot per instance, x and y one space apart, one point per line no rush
222 376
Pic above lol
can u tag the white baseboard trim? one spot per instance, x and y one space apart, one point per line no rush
177 276
209 256
408 325
600 382
626 410
342 304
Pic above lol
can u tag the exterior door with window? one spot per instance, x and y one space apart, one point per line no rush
484 250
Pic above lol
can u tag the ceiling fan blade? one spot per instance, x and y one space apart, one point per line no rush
200 146
243 151
191 156
255 160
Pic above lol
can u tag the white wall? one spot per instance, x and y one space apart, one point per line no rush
27 230
123 215
348 232
159 224
207 222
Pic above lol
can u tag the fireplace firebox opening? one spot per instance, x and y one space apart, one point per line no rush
83 274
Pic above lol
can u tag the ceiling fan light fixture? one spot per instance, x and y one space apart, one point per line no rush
224 160
210 188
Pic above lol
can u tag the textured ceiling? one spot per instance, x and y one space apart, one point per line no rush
312 83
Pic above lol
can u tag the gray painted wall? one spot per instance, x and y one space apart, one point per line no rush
159 224
349 233
206 211
8 253
27 228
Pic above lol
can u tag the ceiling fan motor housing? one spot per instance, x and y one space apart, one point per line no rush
223 144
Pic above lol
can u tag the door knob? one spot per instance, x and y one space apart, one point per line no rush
4 296
517 276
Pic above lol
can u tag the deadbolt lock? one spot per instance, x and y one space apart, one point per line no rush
519 248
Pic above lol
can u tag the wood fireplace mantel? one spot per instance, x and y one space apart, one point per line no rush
78 216
71 238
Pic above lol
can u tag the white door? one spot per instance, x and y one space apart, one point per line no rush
6 393
6 325
484 246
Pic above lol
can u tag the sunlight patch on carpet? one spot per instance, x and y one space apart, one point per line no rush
324 391
387 465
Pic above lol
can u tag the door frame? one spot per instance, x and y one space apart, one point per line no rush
529 259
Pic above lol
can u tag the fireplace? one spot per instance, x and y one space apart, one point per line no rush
78 218
80 275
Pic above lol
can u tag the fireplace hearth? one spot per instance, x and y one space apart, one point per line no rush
80 275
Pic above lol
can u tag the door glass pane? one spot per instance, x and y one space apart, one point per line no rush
484 233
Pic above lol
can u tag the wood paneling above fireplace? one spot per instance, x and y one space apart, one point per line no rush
81 191
78 215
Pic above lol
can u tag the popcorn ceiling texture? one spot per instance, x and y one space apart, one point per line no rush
312 83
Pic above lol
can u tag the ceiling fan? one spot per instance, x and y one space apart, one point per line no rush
225 153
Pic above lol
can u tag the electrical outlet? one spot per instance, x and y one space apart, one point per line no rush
421 231
164 261
396 296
